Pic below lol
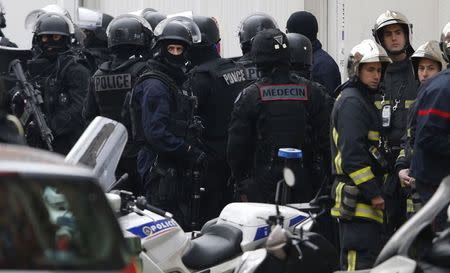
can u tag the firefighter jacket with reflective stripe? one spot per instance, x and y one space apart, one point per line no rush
399 90
356 160
431 158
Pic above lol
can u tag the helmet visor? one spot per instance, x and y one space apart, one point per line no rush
139 19
52 14
89 19
188 23
33 16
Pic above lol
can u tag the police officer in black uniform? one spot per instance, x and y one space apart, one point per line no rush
161 118
357 162
215 82
129 39
3 40
62 80
393 32
95 44
273 113
250 26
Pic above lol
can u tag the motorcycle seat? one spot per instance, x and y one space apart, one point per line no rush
219 243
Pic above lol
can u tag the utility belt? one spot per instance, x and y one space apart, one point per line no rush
349 203
169 183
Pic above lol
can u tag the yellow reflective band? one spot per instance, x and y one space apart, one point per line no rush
408 103
338 158
362 175
335 136
401 154
366 211
379 105
408 132
351 260
410 206
373 135
335 210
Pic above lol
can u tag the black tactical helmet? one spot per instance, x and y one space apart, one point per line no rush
253 24
128 29
93 23
53 23
270 46
300 50
177 29
208 28
2 16
154 18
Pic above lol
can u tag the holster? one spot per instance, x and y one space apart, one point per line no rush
167 185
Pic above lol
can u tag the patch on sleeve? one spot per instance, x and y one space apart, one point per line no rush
283 92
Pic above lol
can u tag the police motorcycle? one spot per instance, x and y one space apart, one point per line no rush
287 251
164 246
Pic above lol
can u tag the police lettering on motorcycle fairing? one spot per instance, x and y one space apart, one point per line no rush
216 82
398 90
63 80
161 114
357 163
262 121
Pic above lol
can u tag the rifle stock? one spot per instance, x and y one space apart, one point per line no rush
33 101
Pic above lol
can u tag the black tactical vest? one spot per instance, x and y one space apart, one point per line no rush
282 123
51 85
182 106
112 84
227 81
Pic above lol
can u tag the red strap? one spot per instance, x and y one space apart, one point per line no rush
436 112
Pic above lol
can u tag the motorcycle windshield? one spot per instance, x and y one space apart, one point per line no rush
100 148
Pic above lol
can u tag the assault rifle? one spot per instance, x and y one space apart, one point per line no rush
33 101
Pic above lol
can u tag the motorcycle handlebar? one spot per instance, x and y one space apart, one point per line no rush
141 203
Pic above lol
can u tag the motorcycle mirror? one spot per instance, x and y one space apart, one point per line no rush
289 177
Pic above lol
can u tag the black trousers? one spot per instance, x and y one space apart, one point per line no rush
361 242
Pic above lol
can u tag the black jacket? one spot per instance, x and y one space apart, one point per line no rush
431 156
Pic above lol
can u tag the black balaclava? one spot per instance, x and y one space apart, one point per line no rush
303 22
178 61
51 48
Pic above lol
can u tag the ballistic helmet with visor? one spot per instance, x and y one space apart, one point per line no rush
129 29
154 18
178 29
430 50
445 41
209 30
391 17
253 24
365 52
94 22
